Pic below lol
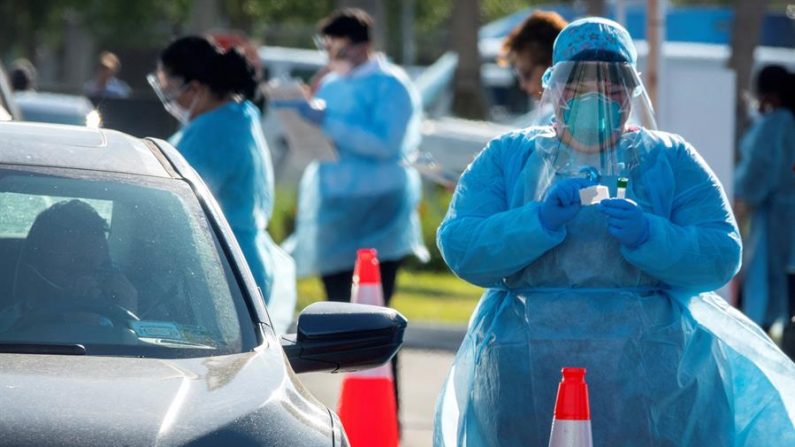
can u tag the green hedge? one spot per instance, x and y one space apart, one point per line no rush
431 210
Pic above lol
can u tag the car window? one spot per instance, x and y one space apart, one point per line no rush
120 265
22 209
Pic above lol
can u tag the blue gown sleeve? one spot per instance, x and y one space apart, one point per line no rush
759 149
381 134
698 248
481 238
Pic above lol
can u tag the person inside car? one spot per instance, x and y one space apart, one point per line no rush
65 261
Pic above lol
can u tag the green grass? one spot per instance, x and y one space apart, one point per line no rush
420 296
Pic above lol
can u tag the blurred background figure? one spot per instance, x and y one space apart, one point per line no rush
765 197
528 50
23 75
368 198
207 90
105 83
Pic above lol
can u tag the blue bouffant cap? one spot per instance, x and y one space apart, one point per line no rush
593 39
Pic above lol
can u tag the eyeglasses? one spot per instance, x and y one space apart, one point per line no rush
162 95
321 42
326 44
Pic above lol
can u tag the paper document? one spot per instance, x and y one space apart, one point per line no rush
301 136
594 194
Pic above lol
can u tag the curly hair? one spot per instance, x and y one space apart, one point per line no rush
534 37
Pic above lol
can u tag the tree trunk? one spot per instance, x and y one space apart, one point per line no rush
748 16
467 93
204 16
407 18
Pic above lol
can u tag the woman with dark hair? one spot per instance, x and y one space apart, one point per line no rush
765 187
208 91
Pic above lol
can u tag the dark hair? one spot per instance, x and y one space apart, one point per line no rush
353 23
777 80
535 36
23 75
195 58
61 224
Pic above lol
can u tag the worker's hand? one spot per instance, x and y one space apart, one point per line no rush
312 111
561 203
626 221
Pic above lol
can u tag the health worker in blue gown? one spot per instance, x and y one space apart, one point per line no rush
621 287
368 197
765 190
206 89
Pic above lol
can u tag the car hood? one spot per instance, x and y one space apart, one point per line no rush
242 399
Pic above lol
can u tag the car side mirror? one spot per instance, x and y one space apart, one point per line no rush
341 337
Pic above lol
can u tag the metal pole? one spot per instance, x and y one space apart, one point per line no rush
662 14
655 36
621 13
407 22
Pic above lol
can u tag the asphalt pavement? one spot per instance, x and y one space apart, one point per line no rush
422 373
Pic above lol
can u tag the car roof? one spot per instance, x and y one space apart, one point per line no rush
75 147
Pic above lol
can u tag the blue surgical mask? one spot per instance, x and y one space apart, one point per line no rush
592 118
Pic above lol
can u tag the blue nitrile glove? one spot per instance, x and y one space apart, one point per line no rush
626 221
312 111
561 203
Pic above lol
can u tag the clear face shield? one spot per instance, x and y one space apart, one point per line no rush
598 108
168 96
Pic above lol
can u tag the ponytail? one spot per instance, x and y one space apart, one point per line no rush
195 58
788 93
232 73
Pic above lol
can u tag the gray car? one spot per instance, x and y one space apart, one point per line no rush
57 108
8 107
128 315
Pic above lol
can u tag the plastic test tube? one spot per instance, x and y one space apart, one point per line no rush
621 187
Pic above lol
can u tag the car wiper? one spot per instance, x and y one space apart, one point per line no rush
171 342
42 348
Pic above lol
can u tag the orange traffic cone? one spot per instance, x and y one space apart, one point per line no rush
571 426
367 406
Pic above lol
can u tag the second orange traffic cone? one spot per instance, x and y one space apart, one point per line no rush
571 426
367 406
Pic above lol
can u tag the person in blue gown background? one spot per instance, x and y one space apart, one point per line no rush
368 197
765 191
206 89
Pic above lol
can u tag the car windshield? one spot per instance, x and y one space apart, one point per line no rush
120 265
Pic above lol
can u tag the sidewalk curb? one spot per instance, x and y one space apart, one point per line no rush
434 336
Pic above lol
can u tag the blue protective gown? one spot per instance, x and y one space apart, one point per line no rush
368 197
765 179
227 148
668 362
